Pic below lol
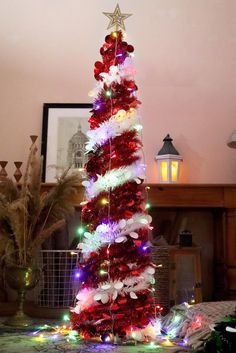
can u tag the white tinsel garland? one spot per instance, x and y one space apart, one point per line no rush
116 73
114 178
115 126
113 232
109 291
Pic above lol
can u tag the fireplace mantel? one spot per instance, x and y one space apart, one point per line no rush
193 195
221 198
181 195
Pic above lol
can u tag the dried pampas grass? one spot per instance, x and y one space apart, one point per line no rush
29 216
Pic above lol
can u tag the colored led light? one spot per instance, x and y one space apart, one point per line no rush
102 272
77 274
138 127
66 317
106 337
113 155
80 230
108 93
104 201
152 345
167 343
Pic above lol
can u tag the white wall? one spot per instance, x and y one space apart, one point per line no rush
185 59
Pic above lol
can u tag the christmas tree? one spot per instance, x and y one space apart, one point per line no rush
116 295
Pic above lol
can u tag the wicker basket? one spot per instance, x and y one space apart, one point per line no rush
160 257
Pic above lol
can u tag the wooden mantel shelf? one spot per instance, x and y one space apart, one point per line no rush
182 195
193 195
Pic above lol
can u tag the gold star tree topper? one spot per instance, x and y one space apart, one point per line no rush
117 18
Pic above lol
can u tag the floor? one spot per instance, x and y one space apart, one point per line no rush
50 338
192 324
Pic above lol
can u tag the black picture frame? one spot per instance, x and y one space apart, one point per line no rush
53 115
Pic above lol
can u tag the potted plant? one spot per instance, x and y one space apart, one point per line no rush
28 217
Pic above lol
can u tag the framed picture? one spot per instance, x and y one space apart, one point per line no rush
64 137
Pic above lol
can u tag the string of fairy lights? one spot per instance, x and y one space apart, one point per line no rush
166 334
106 201
159 336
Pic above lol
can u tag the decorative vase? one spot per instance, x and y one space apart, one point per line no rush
3 173
18 174
21 279
33 140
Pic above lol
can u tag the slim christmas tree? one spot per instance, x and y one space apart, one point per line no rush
117 275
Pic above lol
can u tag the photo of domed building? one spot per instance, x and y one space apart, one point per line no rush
76 157
71 140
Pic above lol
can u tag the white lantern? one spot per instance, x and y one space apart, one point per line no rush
232 140
168 162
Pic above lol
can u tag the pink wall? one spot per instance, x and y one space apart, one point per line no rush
185 59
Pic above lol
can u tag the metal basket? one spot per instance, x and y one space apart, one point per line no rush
58 284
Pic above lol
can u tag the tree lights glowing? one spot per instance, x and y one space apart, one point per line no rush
118 276
80 230
66 317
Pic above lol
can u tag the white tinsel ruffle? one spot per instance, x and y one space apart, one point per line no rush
109 233
115 126
109 291
114 178
124 71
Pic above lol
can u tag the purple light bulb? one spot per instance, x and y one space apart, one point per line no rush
78 274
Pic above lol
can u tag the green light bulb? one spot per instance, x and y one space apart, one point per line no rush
80 230
108 93
102 272
66 317
73 335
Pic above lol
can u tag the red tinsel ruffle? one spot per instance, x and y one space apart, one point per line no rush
124 201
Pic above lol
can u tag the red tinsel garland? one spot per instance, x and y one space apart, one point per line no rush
123 202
